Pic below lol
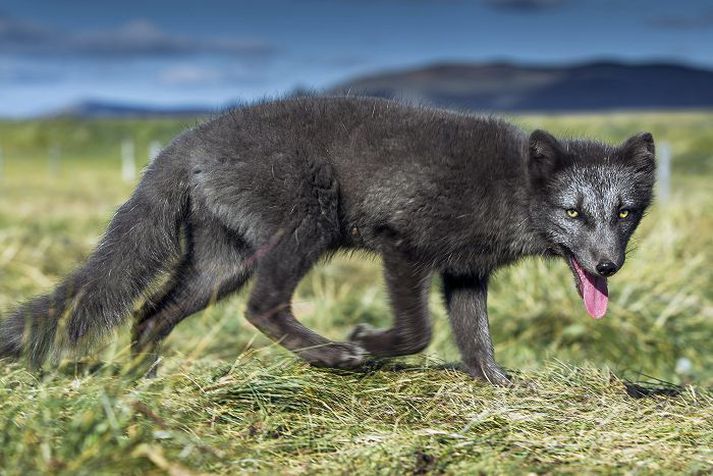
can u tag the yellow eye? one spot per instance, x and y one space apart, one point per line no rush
572 213
623 213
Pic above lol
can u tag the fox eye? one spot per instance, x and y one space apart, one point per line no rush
572 213
623 213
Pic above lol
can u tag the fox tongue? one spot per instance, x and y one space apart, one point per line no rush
594 291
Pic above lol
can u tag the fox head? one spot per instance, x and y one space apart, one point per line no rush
587 198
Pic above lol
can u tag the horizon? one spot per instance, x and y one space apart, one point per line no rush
172 54
131 108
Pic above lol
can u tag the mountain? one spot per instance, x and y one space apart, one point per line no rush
511 87
499 86
101 109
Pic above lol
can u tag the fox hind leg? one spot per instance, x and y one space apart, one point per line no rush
215 264
277 275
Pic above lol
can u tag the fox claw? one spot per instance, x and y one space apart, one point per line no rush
491 373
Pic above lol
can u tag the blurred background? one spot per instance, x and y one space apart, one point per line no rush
86 58
90 92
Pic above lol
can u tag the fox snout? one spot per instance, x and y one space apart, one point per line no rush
606 268
599 263
604 259
601 252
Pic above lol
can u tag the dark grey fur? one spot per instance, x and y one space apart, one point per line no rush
268 190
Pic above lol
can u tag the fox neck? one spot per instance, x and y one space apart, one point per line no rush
527 236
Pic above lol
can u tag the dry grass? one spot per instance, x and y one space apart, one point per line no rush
227 401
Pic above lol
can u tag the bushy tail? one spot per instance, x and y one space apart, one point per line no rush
142 239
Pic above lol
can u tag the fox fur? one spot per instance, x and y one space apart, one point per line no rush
266 191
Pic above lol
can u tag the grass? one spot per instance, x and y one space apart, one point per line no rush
228 401
266 414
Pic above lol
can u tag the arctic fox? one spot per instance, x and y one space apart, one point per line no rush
266 191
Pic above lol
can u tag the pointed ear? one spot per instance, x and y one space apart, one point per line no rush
639 151
544 155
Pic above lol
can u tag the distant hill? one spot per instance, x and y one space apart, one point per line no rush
98 109
511 87
494 87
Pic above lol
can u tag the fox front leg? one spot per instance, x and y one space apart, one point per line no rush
466 299
407 285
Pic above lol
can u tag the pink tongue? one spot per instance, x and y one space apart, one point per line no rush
594 291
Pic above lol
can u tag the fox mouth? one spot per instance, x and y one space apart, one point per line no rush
592 288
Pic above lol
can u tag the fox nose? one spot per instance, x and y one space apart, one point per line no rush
606 268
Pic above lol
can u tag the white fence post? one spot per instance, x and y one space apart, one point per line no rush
663 172
154 150
53 159
128 161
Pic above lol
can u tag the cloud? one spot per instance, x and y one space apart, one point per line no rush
17 32
524 5
13 74
679 22
141 37
187 75
191 75
136 38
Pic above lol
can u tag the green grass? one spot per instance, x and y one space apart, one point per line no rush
227 401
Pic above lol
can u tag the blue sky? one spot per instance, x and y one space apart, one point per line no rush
53 53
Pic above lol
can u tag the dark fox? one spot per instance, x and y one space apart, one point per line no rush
267 191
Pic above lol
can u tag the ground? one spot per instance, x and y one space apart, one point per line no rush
226 400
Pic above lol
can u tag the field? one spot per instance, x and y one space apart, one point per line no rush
227 401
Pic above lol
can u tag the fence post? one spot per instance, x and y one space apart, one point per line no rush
154 150
128 162
53 159
663 172
1 164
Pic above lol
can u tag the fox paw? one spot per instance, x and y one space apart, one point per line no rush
491 373
387 342
362 332
341 355
377 342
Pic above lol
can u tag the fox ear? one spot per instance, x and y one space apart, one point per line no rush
544 155
639 151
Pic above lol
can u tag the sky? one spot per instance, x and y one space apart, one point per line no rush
54 53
